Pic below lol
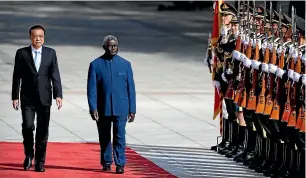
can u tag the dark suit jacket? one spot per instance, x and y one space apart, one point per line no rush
36 86
111 90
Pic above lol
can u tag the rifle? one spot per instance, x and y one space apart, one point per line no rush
292 117
290 90
261 98
297 69
300 125
251 105
241 47
242 90
270 86
287 109
281 60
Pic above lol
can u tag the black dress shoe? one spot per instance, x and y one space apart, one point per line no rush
240 156
107 167
119 170
27 163
39 169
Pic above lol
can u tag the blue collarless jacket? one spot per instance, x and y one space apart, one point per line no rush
111 87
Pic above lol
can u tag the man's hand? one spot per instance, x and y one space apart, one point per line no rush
131 117
15 104
94 115
59 102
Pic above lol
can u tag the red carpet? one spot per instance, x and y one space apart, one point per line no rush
73 160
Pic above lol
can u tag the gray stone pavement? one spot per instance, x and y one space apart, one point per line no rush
173 126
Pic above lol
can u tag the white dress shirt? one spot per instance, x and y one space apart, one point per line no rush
39 51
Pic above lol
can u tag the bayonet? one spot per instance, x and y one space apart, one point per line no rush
265 22
280 26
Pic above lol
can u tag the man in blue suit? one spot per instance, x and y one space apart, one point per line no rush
112 99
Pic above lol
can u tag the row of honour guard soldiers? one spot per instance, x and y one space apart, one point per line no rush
260 69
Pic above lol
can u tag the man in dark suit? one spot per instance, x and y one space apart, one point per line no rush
35 69
111 98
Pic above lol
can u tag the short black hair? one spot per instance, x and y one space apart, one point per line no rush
37 27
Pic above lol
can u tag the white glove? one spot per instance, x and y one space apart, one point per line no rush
291 49
280 50
223 30
236 54
259 44
217 85
246 41
295 54
264 45
242 37
223 78
229 71
290 73
255 64
280 72
296 76
270 46
247 63
304 79
272 68
265 67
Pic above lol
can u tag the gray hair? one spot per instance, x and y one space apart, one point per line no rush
109 38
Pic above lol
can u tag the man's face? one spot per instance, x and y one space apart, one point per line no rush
226 18
235 27
111 47
275 27
284 30
37 38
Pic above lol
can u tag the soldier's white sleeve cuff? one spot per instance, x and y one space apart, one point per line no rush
223 77
247 63
265 67
296 76
290 73
243 58
255 64
272 68
236 54
280 72
304 79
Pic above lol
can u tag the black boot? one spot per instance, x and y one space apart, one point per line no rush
239 149
301 173
262 156
272 171
282 171
225 136
295 164
233 126
251 156
250 145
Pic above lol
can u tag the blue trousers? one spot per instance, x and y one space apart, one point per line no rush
104 128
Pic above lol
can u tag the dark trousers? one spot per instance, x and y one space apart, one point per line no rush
42 131
104 128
